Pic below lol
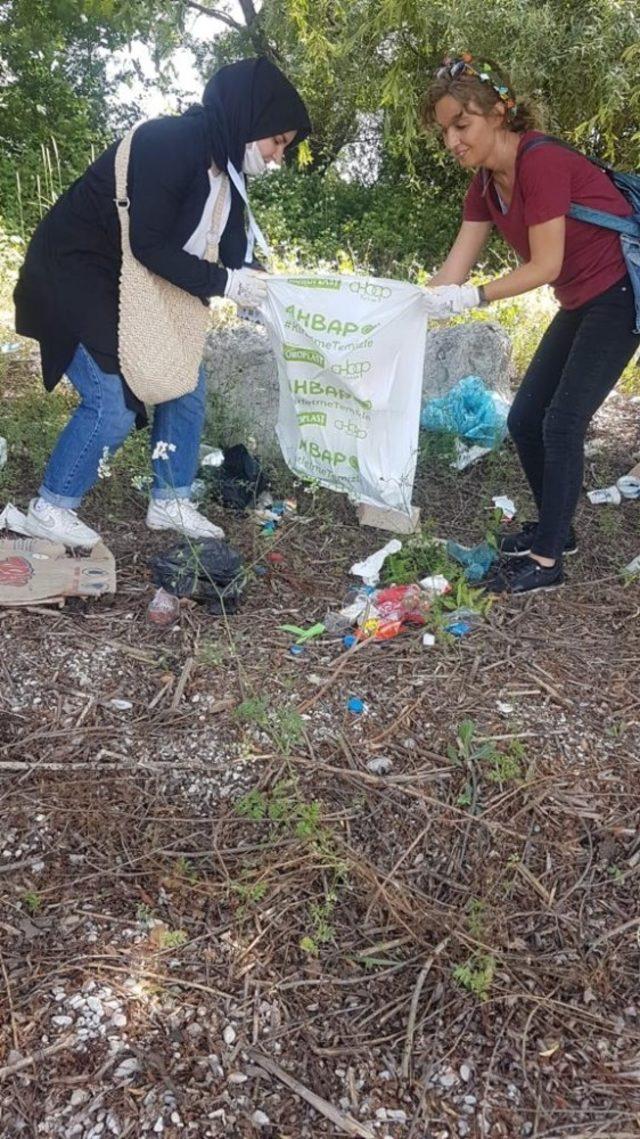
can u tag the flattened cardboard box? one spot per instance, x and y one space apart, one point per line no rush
33 571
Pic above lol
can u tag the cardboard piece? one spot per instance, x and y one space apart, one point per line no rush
386 518
34 571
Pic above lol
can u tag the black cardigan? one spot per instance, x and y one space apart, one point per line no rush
67 291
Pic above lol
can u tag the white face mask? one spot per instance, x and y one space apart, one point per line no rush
253 162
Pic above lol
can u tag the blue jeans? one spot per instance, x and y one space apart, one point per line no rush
102 421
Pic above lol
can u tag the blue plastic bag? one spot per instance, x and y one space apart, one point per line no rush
470 411
477 560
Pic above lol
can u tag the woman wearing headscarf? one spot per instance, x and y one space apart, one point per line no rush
68 292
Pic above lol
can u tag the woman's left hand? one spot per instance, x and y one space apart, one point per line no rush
450 300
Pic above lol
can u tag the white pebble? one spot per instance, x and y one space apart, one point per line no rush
118 1020
381 765
259 1119
229 1035
62 1021
237 1078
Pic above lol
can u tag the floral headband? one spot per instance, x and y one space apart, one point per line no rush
464 64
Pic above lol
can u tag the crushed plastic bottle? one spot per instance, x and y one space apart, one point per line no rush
163 608
4 451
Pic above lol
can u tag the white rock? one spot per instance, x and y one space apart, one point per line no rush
62 1021
396 1115
118 1020
380 765
78 1096
237 1078
127 1068
465 1073
259 1119
229 1035
158 1125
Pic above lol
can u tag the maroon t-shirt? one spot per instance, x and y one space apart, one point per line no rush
548 179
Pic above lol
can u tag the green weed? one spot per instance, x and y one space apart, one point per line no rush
32 901
476 975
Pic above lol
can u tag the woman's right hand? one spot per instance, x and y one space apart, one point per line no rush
246 287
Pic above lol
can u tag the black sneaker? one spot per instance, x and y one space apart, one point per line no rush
519 545
527 576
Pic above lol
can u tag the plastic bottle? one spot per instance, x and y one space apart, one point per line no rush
164 608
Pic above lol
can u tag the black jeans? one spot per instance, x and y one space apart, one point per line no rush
578 361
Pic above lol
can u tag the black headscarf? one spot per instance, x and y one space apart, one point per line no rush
249 100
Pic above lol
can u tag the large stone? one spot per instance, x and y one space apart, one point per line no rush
478 348
242 378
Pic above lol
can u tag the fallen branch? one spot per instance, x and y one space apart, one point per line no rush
413 1011
347 1124
35 1058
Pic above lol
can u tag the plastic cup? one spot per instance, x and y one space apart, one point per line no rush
607 496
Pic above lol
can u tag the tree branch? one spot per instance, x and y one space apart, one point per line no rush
222 16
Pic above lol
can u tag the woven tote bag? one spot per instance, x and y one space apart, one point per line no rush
161 328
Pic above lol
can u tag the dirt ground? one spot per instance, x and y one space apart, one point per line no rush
217 920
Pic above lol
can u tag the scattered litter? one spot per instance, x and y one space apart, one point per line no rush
458 629
470 411
208 571
477 560
369 569
121 705
380 765
239 480
608 495
198 491
628 485
336 624
428 640
164 608
34 571
269 528
211 456
349 641
303 635
296 650
356 705
4 450
436 585
467 455
504 709
634 566
275 558
506 505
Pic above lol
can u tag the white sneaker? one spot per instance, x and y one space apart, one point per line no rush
58 524
180 514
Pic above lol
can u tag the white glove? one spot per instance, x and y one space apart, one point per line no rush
450 300
246 287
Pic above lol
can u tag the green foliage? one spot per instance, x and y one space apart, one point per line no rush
476 974
419 557
172 938
32 901
395 228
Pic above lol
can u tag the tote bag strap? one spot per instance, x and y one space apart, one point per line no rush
255 234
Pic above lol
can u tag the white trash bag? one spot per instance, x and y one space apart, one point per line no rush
350 353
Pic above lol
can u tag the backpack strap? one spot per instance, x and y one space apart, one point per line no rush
602 218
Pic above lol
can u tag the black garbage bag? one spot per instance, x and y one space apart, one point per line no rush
239 480
207 570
